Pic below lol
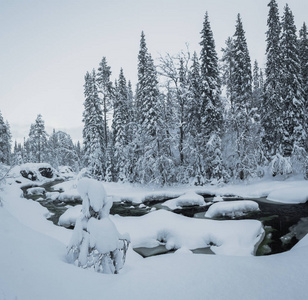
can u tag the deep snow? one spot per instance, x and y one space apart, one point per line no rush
33 266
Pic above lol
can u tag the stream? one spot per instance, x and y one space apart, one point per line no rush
284 224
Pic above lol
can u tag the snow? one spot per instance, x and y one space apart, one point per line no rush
33 266
103 234
70 216
177 231
36 191
52 195
93 194
188 199
40 272
231 208
66 172
33 169
290 195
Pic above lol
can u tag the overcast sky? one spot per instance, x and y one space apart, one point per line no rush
47 46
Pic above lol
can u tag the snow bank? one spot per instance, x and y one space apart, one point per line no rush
291 195
42 172
52 195
70 216
231 208
68 191
66 172
177 231
36 191
188 199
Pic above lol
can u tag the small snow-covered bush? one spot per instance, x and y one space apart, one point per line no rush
96 242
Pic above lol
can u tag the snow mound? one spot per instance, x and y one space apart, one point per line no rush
34 172
176 231
93 195
36 191
290 195
231 208
188 199
52 195
68 191
66 172
70 216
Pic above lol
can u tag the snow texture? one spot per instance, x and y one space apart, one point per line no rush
93 195
70 216
188 199
231 208
28 271
290 195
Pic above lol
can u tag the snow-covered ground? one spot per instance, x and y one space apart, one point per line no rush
33 266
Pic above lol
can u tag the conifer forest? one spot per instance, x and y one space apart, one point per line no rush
194 118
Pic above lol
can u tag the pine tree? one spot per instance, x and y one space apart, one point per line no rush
38 144
5 142
93 131
293 101
271 109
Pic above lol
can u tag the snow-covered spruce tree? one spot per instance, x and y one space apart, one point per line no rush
303 56
18 154
105 93
120 125
5 142
257 93
211 106
154 163
271 109
38 141
96 242
294 136
242 95
196 163
227 66
93 131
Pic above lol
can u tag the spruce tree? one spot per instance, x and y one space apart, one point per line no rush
5 142
120 126
211 107
293 100
227 68
153 163
105 92
38 141
271 109
303 56
242 95
93 131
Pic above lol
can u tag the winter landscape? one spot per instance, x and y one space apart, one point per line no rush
191 184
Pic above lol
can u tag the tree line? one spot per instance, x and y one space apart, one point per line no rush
196 118
178 126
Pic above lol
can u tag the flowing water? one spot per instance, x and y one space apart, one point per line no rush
284 224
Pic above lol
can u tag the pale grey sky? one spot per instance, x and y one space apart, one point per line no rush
48 45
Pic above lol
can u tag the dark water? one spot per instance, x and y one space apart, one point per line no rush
284 224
